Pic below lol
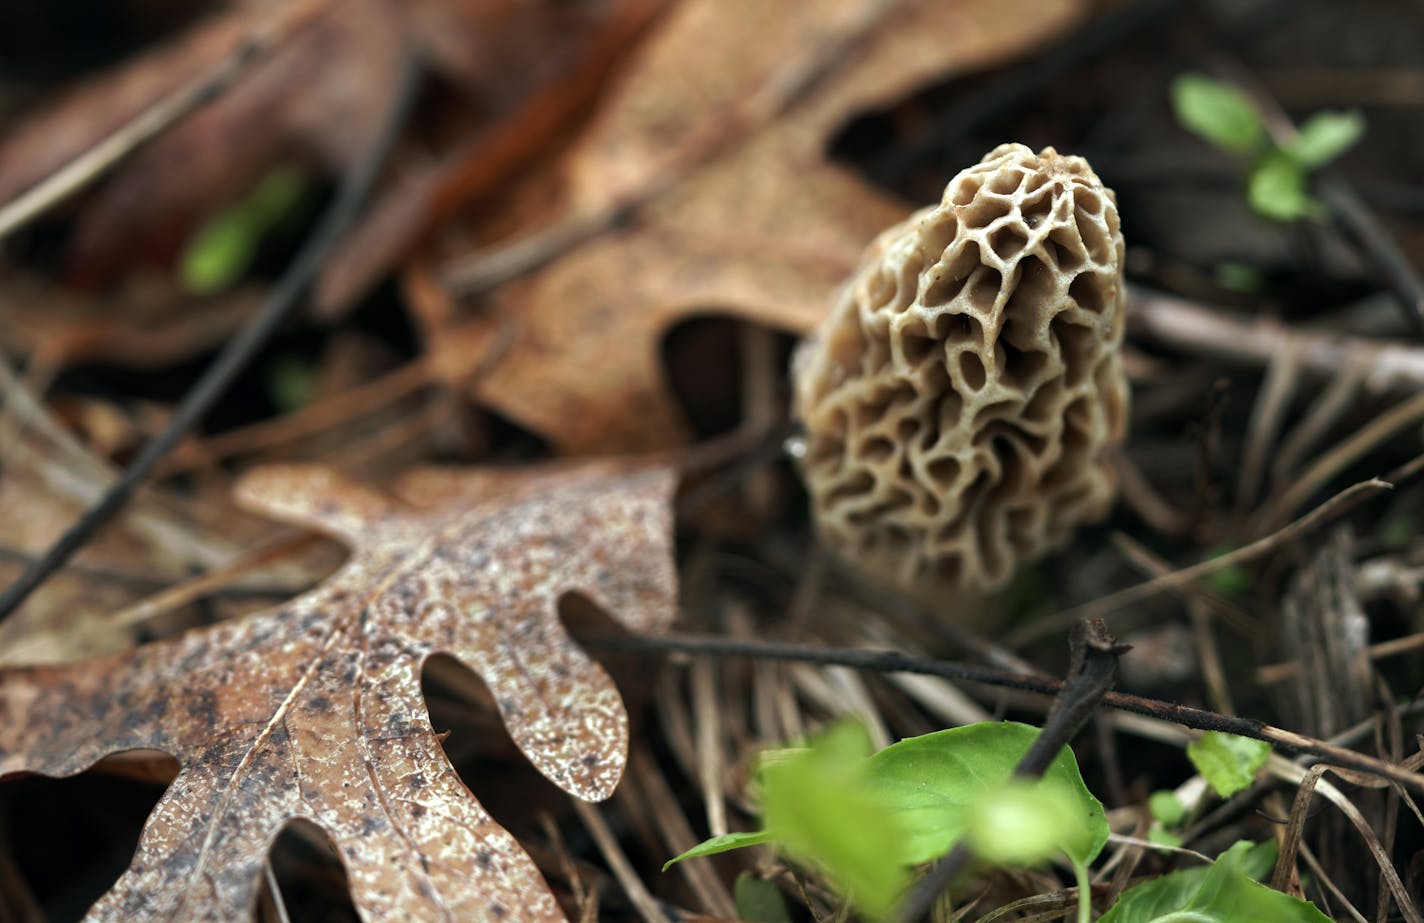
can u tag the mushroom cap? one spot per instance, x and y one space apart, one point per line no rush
961 398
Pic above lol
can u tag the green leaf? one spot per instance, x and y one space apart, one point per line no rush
219 253
1325 136
758 900
1227 762
1024 823
1276 189
818 805
1167 808
1222 893
1218 113
1255 861
725 843
222 249
1162 836
933 782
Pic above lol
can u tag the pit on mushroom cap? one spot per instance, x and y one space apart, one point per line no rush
960 399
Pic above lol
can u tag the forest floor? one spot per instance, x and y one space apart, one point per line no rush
600 230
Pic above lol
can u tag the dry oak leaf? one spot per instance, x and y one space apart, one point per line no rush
730 105
314 710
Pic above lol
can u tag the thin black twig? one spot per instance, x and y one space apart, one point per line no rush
896 662
1091 669
239 351
1359 225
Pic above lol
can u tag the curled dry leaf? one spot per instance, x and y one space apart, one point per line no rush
314 710
730 106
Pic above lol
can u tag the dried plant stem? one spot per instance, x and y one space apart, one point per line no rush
1278 672
1273 401
643 900
1191 327
239 351
1358 223
1337 505
1295 774
31 648
677 834
1319 872
1347 451
707 712
1333 402
897 662
274 891
1290 840
321 415
153 121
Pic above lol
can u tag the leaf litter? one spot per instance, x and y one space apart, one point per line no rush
314 710
694 249
721 124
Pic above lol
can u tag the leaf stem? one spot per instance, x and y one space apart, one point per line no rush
1085 892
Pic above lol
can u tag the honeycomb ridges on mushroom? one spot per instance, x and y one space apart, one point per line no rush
961 397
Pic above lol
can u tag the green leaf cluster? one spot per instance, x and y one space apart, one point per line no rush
866 819
1277 181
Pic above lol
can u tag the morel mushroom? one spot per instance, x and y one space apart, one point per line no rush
961 398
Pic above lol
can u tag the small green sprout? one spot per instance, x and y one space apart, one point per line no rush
221 250
1278 178
1227 762
1168 813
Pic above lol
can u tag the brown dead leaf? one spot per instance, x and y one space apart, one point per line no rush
319 97
756 223
145 323
314 710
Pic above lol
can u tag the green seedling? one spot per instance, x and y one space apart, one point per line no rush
222 249
1227 762
867 819
914 801
1168 813
1278 174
